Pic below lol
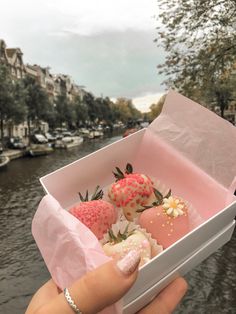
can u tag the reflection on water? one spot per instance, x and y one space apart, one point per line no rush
22 270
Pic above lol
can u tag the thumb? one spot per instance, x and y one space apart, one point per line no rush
99 288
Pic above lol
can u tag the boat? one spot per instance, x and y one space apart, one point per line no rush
68 142
4 160
84 133
39 150
130 131
95 134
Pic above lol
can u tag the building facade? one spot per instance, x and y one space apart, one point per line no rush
54 85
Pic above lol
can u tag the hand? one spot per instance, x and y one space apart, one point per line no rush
103 287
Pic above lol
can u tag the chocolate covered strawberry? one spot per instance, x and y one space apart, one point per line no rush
97 214
131 191
119 245
166 220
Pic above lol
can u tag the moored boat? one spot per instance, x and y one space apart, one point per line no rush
4 160
68 142
39 150
130 131
95 134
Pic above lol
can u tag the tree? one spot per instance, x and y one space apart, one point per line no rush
155 109
19 111
92 107
65 111
200 41
81 111
5 96
36 101
104 109
127 111
12 109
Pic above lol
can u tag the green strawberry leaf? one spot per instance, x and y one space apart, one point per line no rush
158 194
168 194
97 195
119 174
129 169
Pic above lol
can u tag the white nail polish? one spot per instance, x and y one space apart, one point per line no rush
129 262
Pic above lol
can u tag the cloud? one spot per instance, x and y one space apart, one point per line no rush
105 45
143 103
91 17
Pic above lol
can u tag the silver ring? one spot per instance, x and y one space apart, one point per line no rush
71 302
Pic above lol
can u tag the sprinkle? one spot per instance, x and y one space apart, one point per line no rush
151 222
145 243
163 225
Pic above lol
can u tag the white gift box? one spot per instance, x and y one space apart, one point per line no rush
189 149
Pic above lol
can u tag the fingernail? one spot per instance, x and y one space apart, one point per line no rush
129 262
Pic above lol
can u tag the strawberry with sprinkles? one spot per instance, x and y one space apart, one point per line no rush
97 214
130 191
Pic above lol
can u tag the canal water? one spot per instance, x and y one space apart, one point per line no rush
212 285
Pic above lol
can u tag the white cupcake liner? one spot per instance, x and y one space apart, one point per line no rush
122 225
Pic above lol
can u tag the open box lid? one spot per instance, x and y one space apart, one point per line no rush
188 148
202 136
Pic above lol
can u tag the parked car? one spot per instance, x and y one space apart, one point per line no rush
57 135
39 139
67 134
16 143
50 137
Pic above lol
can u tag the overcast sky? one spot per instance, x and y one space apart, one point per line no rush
105 45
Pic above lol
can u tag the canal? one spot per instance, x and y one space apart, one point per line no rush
212 285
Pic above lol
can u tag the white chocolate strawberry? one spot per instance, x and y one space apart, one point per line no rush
131 191
96 214
120 245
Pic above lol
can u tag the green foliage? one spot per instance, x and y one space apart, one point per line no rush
92 106
36 99
126 110
200 40
24 99
155 109
81 111
18 95
100 109
6 87
12 107
104 112
65 112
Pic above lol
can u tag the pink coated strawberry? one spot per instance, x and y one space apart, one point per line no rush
97 214
118 246
166 220
130 191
